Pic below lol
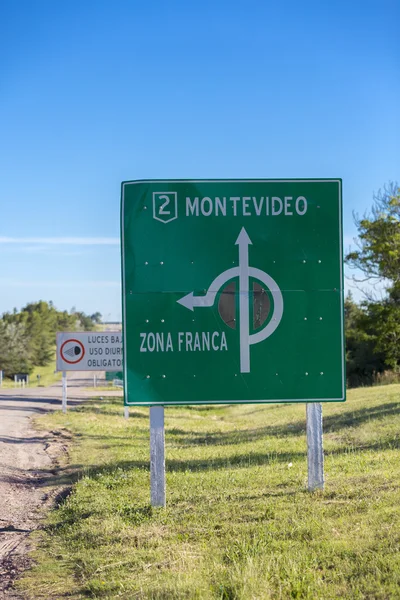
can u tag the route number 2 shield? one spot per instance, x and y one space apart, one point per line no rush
232 291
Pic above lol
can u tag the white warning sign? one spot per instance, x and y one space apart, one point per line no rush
89 351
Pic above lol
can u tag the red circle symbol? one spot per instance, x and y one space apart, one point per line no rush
73 353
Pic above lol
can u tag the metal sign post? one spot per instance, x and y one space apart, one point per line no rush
157 456
64 392
126 412
315 451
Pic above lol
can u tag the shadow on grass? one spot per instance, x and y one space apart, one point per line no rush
198 407
332 423
74 473
97 409
71 474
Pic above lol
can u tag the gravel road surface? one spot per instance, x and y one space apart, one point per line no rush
28 461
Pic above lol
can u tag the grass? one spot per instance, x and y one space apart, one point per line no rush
47 377
239 523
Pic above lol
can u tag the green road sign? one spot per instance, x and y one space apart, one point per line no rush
232 291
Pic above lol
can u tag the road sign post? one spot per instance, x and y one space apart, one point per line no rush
64 392
315 452
157 456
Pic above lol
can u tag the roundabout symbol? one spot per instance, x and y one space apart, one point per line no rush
243 272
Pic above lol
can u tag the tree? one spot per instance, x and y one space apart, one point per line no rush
39 320
15 356
96 317
378 254
385 319
83 321
363 359
378 258
27 338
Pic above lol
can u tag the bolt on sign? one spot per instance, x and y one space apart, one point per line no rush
89 351
232 291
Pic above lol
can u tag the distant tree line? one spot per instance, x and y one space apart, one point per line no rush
27 338
373 325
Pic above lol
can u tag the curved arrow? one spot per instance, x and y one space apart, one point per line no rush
243 271
190 301
276 293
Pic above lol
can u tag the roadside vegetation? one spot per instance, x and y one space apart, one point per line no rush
239 523
373 326
28 337
47 376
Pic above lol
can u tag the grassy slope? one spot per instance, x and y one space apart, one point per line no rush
239 523
47 377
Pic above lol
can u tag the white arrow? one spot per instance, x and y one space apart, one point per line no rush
276 294
190 301
243 242
243 271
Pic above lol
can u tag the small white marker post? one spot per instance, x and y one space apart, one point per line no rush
157 456
315 451
64 392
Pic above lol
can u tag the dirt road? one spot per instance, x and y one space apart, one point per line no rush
28 460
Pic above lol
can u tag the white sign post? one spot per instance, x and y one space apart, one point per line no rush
315 451
157 456
64 392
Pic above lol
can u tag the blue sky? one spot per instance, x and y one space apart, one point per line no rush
94 92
